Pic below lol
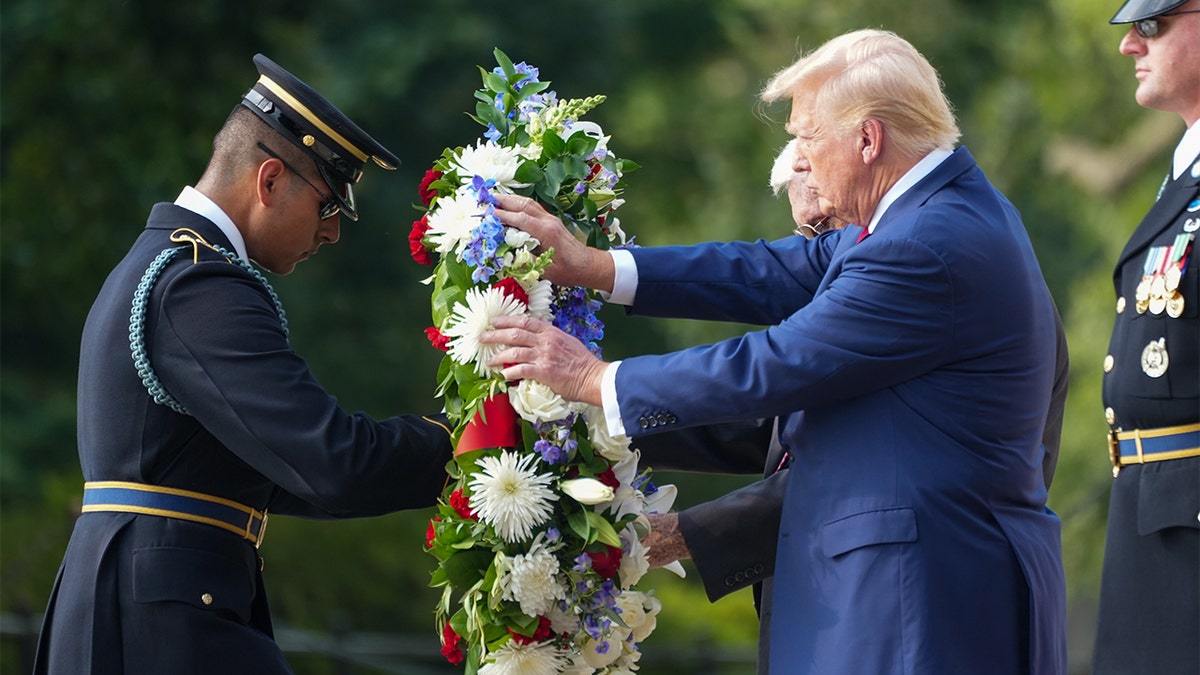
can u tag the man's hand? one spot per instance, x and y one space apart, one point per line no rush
575 263
537 350
665 542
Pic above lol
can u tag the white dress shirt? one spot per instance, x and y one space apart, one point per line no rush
197 202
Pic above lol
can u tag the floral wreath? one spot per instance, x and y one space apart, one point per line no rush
538 531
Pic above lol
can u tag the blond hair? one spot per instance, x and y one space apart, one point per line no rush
872 74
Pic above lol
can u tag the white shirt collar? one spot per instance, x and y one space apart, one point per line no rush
912 177
1187 151
197 202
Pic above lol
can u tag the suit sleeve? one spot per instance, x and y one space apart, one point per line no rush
885 318
733 539
221 350
759 283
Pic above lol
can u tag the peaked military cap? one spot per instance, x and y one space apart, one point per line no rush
1136 10
301 115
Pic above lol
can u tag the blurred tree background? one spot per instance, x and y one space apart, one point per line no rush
109 107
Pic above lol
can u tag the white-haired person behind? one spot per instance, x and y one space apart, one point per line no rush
806 210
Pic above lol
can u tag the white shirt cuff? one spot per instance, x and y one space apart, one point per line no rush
625 278
608 401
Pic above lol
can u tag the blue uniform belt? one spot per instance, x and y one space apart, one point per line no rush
155 500
1140 446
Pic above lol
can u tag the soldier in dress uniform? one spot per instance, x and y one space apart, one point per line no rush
196 418
1150 588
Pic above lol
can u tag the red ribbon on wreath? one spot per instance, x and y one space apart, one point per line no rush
500 430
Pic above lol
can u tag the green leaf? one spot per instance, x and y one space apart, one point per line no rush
528 172
503 61
467 567
530 89
489 114
495 83
605 533
579 525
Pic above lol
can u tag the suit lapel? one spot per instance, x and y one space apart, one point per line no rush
1176 196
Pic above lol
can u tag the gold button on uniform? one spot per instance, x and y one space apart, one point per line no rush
1110 416
1108 363
1121 305
206 598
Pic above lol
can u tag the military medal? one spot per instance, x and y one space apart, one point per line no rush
1175 305
1155 359
1191 225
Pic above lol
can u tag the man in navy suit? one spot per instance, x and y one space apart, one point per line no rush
912 358
1150 587
196 417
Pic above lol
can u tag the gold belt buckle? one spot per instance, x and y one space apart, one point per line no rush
1114 452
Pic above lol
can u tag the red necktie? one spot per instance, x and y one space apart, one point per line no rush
862 235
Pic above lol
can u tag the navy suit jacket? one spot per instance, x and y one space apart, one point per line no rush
914 536
261 431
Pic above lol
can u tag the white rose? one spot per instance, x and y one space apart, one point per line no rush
611 448
535 402
616 640
587 491
633 611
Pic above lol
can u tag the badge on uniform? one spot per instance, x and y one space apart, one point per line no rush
1155 359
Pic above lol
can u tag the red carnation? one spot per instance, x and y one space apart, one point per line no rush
427 194
543 632
606 562
415 246
435 336
450 648
462 505
512 288
431 533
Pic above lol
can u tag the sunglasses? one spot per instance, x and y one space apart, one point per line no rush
1149 28
329 206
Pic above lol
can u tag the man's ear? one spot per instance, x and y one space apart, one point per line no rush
870 140
269 180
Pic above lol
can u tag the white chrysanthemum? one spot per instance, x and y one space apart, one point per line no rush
490 161
469 321
451 222
535 658
508 495
613 448
541 294
535 402
531 579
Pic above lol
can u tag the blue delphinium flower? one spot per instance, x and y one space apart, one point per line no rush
575 315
